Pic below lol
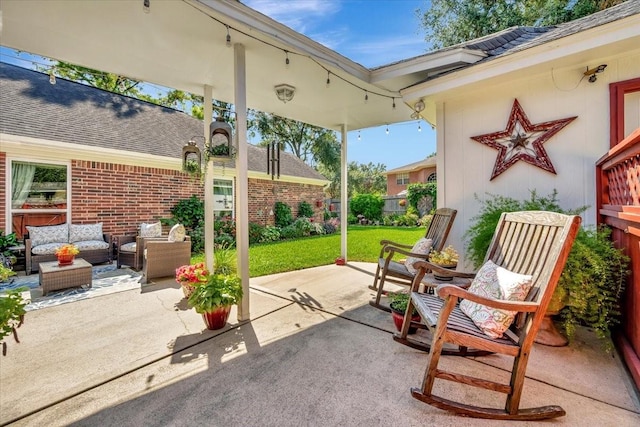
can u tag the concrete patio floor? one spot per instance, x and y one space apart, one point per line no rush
315 353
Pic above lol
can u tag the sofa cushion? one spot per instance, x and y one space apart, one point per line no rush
128 247
151 230
46 248
91 245
48 234
493 281
85 232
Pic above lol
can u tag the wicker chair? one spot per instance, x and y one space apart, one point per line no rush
132 257
161 258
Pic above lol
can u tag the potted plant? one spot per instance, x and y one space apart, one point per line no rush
66 253
11 315
214 298
593 279
446 258
7 241
398 304
190 276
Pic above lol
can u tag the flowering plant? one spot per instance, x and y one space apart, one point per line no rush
67 250
448 256
192 274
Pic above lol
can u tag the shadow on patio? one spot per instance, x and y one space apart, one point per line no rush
315 353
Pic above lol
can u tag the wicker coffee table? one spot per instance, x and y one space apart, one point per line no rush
54 277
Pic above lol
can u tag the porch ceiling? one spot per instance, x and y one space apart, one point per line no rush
182 45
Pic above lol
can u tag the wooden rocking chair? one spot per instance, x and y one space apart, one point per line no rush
532 243
396 272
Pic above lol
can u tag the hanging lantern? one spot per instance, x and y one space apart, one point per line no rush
220 144
191 156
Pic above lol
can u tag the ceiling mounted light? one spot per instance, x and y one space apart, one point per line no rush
418 107
146 6
285 92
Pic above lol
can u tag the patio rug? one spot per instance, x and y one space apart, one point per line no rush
107 279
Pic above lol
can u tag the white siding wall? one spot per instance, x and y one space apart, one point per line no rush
465 166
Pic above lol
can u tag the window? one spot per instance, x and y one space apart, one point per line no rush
223 197
432 178
402 178
39 194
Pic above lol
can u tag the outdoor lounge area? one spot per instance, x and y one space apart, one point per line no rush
314 353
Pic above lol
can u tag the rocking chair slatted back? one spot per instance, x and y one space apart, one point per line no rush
396 272
535 243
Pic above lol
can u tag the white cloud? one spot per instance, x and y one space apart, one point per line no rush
298 14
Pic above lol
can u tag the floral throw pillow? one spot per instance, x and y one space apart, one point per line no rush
48 234
495 282
85 232
422 246
151 230
177 233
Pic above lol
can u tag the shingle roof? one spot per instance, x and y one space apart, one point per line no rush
75 113
517 39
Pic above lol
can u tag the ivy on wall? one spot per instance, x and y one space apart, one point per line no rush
416 192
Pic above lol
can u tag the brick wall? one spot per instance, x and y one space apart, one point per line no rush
265 193
123 196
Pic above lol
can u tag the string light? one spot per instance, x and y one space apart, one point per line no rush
146 6
366 96
228 37
52 77
328 78
122 86
394 103
286 61
419 127
359 136
387 130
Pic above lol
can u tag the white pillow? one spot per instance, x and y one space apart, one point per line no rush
48 234
177 233
85 232
151 230
495 282
422 246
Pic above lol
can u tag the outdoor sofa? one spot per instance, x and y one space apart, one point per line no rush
41 243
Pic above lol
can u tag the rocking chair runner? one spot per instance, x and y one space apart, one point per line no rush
396 272
532 243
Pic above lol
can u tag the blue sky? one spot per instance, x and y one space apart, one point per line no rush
372 33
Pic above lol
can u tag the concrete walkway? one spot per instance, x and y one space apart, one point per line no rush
314 354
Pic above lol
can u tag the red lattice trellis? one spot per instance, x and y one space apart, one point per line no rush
624 182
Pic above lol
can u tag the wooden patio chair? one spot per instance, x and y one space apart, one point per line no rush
397 272
532 243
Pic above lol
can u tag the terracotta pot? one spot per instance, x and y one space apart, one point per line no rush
217 318
65 260
398 318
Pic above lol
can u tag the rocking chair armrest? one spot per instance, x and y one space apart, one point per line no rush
441 271
394 249
389 243
444 291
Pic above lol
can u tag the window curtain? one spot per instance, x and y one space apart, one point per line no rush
21 180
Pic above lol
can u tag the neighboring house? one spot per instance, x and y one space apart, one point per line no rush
578 91
74 153
414 173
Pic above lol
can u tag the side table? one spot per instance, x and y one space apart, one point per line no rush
53 277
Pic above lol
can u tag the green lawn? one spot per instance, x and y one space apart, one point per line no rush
363 244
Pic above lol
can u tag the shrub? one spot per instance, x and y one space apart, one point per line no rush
369 205
352 219
255 232
224 230
329 228
190 213
318 228
282 214
303 227
417 192
289 232
305 210
270 234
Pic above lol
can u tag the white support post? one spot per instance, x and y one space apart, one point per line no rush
343 194
208 181
242 184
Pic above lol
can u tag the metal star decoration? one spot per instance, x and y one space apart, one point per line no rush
522 140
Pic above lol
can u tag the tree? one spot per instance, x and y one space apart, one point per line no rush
366 178
448 22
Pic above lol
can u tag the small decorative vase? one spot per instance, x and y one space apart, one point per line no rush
217 318
445 278
65 260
